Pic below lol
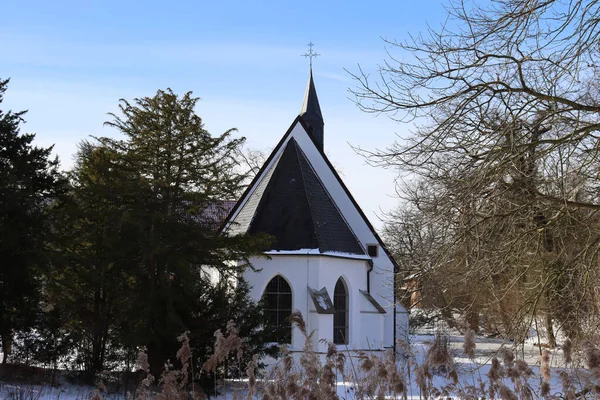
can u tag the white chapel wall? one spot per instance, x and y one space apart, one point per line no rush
365 328
300 273
382 275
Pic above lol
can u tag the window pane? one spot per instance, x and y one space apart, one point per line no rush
278 297
340 318
285 302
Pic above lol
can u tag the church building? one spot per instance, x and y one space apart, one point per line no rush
326 259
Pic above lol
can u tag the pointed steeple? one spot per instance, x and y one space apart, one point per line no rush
311 112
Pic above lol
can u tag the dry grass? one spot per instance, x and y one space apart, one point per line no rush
371 376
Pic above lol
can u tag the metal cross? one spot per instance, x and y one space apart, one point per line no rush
310 54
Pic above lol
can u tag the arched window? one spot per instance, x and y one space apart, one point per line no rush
278 301
340 318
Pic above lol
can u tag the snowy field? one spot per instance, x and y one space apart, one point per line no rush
13 391
469 372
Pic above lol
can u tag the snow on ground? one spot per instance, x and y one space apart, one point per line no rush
19 391
469 372
486 348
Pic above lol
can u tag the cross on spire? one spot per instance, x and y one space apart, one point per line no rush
310 54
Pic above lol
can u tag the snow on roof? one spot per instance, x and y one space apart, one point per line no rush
317 252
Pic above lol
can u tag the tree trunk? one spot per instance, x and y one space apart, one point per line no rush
156 359
6 345
550 331
94 364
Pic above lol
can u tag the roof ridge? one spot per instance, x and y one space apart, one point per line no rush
352 199
245 196
299 153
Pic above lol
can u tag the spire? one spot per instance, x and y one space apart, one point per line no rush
311 112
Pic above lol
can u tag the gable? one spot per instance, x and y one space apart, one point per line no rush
295 208
315 160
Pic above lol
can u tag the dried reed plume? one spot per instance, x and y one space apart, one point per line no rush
381 376
506 394
287 360
142 361
223 347
495 372
469 344
96 395
233 341
508 357
524 368
513 373
251 377
421 378
340 361
144 389
219 354
565 380
592 355
316 381
184 355
438 355
453 375
327 379
173 382
545 366
396 382
297 319
310 362
366 362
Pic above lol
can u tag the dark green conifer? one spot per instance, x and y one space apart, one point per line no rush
29 182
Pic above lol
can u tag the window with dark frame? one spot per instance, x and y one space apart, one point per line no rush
278 300
373 250
340 318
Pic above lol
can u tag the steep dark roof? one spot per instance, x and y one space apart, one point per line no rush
311 113
249 210
233 228
297 210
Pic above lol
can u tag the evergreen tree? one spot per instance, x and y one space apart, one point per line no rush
141 243
29 181
92 269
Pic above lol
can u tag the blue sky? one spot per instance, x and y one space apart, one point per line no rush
70 62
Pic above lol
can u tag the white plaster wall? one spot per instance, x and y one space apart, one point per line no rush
402 316
382 275
294 268
382 289
365 328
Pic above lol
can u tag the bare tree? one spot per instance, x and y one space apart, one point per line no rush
505 101
250 161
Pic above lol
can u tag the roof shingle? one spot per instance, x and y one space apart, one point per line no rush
296 209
